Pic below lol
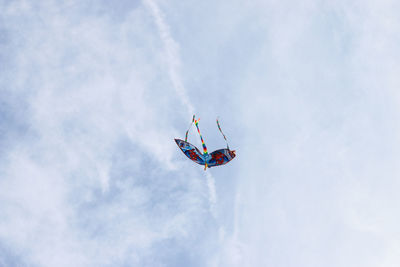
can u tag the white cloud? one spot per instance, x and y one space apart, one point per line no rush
307 93
94 178
172 52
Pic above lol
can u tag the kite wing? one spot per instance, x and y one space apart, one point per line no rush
220 157
191 151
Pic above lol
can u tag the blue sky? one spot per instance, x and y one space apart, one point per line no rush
92 95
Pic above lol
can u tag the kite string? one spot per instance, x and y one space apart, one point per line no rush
187 132
219 127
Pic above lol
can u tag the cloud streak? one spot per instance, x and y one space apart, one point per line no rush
174 65
172 52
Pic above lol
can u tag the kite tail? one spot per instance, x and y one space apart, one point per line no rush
219 127
196 122
189 129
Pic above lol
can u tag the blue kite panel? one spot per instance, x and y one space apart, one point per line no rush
191 151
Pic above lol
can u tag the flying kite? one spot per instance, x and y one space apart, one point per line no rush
216 158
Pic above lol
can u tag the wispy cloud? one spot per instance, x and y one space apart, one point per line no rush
92 180
90 176
212 193
172 52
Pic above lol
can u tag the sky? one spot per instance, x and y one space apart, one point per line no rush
93 93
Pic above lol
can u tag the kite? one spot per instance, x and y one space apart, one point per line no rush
216 158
